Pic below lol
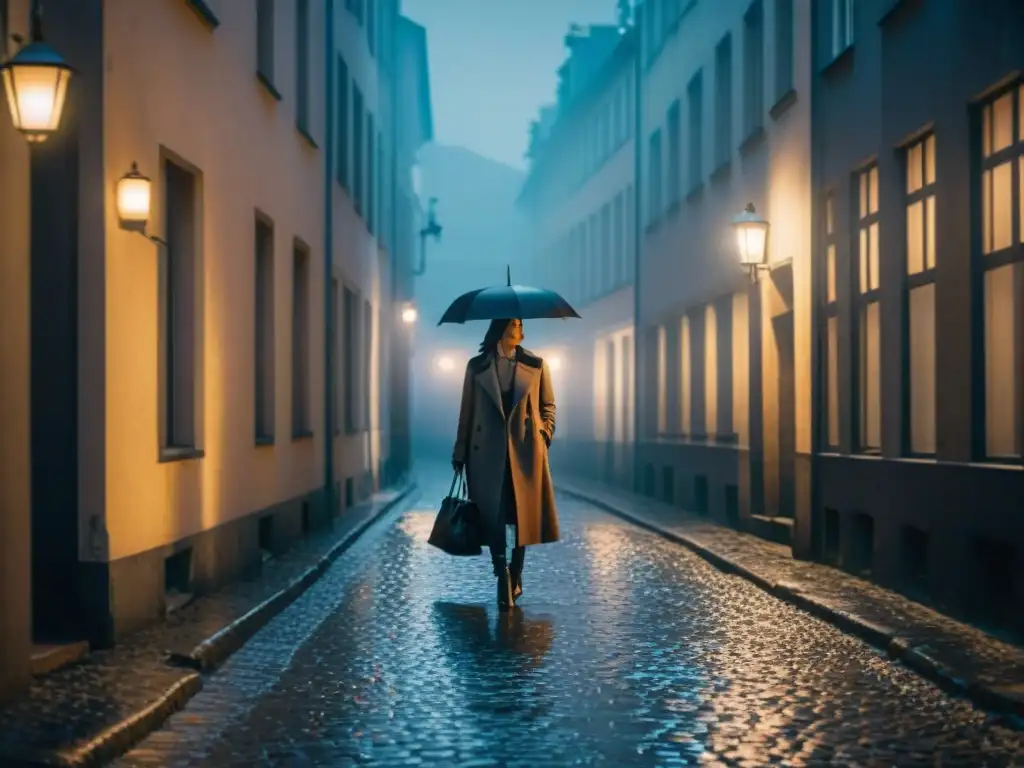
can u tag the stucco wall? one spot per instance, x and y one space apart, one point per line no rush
173 84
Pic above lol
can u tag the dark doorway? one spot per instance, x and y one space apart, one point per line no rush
784 342
56 599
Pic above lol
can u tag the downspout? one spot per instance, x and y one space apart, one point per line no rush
637 241
329 345
817 538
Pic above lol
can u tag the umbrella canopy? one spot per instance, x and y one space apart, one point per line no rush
507 301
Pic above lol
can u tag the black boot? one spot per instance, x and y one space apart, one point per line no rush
515 570
505 599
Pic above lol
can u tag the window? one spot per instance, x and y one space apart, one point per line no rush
662 380
1002 257
630 234
180 306
630 106
620 246
607 266
674 159
300 341
584 266
343 123
695 119
264 324
357 147
783 47
371 26
265 40
383 185
831 330
594 258
711 425
655 174
723 101
920 204
335 347
350 358
302 64
869 339
753 67
842 26
367 366
685 377
371 174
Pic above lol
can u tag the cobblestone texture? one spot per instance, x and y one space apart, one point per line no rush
627 649
966 652
67 708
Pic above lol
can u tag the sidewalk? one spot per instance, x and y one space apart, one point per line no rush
960 658
92 711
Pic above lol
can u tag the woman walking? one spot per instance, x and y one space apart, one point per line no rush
506 423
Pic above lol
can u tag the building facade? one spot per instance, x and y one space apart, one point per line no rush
199 401
725 361
919 237
579 200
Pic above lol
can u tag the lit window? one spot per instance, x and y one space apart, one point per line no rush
869 378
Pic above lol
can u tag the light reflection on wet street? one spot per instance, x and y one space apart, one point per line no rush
626 650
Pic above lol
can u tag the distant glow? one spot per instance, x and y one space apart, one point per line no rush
410 315
555 363
444 364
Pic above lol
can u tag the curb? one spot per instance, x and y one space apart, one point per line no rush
916 658
118 739
218 647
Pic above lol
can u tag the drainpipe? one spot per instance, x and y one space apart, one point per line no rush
329 345
818 415
637 240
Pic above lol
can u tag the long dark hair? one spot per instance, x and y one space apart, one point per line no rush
494 333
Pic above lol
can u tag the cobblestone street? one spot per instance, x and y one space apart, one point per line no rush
627 649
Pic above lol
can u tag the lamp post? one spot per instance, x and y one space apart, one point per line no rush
36 83
752 240
433 229
134 199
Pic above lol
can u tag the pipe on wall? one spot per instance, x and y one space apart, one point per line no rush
329 319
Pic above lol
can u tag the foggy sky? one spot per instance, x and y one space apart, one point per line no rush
493 63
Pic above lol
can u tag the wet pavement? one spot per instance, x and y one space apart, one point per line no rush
627 649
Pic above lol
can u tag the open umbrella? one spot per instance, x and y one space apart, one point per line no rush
511 301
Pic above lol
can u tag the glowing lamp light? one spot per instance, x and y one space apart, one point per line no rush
555 363
134 196
444 364
751 239
409 314
36 85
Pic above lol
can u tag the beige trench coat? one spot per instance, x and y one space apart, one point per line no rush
485 439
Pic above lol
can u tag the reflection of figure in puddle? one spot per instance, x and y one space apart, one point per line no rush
506 423
466 630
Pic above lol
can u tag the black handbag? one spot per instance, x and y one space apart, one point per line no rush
457 529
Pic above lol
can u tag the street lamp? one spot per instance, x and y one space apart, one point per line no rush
409 314
36 83
134 199
752 240
433 229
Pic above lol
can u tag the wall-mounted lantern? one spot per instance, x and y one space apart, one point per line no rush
409 313
134 200
36 83
752 240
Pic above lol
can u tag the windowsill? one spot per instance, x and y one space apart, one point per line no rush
867 453
721 172
695 193
302 434
180 453
263 440
782 105
843 60
205 13
265 82
304 133
754 137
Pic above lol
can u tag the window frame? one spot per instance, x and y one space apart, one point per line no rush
984 262
862 300
915 280
830 312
